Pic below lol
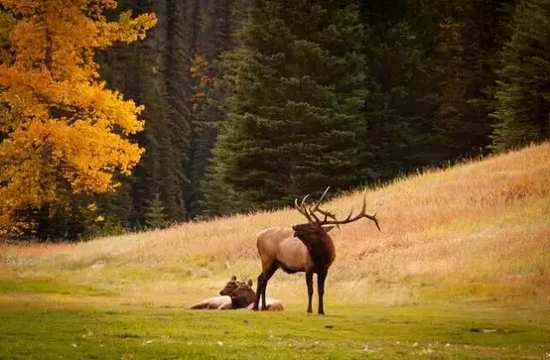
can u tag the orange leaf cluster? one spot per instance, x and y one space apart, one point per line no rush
200 72
64 131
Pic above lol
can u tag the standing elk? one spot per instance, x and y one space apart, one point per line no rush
303 248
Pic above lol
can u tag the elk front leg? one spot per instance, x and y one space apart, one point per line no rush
309 283
258 291
321 290
267 276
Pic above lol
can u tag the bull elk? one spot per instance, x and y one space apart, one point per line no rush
303 248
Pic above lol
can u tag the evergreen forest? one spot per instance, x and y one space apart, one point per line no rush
126 115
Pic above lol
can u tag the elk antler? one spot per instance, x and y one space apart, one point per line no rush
310 213
360 215
313 219
302 209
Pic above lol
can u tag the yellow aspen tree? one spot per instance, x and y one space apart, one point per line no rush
62 132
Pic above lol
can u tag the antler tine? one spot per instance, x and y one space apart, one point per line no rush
364 211
303 201
301 208
312 213
316 207
351 210
373 218
328 214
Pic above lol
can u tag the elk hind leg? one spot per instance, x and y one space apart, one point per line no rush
321 290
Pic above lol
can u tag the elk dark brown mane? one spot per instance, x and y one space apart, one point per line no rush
304 248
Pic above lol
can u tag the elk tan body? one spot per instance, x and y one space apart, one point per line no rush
214 303
279 244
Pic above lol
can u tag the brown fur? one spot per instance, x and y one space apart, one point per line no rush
304 248
242 296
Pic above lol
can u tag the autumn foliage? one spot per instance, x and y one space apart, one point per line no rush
61 131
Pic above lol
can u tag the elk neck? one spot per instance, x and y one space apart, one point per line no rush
324 254
319 244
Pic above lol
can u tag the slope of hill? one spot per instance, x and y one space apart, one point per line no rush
479 231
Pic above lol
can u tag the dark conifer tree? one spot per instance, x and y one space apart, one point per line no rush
523 88
294 92
469 40
138 71
400 102
221 22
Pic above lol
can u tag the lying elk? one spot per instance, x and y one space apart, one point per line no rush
236 295
303 248
242 296
216 302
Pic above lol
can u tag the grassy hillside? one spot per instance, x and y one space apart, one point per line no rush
477 232
459 271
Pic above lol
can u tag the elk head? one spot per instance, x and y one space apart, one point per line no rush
241 293
230 286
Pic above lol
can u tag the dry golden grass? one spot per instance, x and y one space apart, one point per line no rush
475 232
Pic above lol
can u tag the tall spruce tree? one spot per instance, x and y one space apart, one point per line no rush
218 36
294 92
523 88
467 52
177 55
400 104
430 64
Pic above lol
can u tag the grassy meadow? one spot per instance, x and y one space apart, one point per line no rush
461 269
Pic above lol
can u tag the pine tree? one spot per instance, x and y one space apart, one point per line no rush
523 88
429 65
155 217
468 44
219 36
178 55
294 91
399 107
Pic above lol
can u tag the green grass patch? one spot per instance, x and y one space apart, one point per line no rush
346 333
24 286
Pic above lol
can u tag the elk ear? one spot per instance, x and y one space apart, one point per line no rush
328 228
249 282
233 278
